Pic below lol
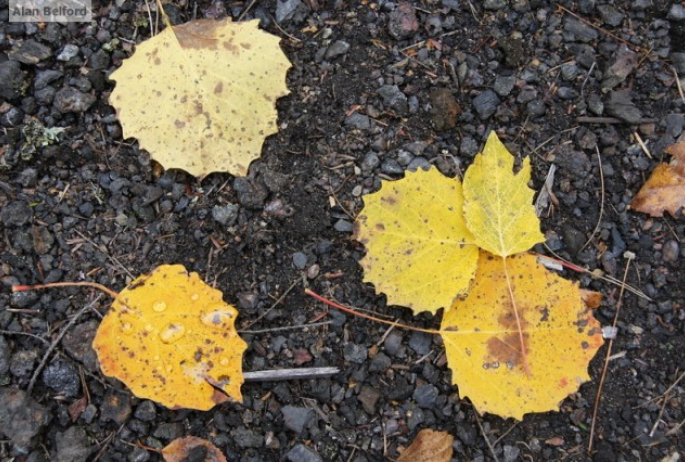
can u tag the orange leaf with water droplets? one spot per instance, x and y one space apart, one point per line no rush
201 96
665 188
192 448
171 338
482 338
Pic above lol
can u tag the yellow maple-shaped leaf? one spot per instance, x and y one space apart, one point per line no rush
171 338
201 96
483 346
498 204
418 247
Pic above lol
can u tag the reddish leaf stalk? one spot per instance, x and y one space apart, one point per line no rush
107 290
524 353
366 316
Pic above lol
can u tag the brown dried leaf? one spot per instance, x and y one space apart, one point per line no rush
429 446
665 189
180 450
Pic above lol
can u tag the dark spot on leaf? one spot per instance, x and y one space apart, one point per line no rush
218 88
179 123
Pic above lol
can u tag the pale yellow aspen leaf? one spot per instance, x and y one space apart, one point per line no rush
201 96
498 204
419 252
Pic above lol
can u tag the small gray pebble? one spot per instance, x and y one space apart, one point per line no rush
226 215
486 104
425 396
69 51
504 85
358 121
302 453
419 163
343 226
391 167
671 251
355 353
337 48
296 418
299 260
677 12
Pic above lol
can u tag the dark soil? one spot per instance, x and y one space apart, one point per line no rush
376 88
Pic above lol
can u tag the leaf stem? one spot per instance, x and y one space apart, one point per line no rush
107 290
366 316
524 353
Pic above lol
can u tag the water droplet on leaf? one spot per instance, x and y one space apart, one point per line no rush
216 317
172 333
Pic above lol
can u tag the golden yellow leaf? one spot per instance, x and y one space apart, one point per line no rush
417 244
171 338
665 188
429 446
179 450
482 340
498 204
201 96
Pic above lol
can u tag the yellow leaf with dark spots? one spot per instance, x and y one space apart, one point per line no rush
498 204
419 252
201 96
171 338
483 340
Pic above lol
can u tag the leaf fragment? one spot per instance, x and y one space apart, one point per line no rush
498 204
192 448
482 338
419 250
429 446
171 338
665 188
201 96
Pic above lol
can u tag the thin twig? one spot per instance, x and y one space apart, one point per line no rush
279 329
505 433
95 285
114 259
249 7
629 256
275 304
485 436
601 204
423 42
604 277
680 87
54 344
642 145
604 31
666 396
610 120
28 334
278 26
290 374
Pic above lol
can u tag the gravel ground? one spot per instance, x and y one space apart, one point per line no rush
377 88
